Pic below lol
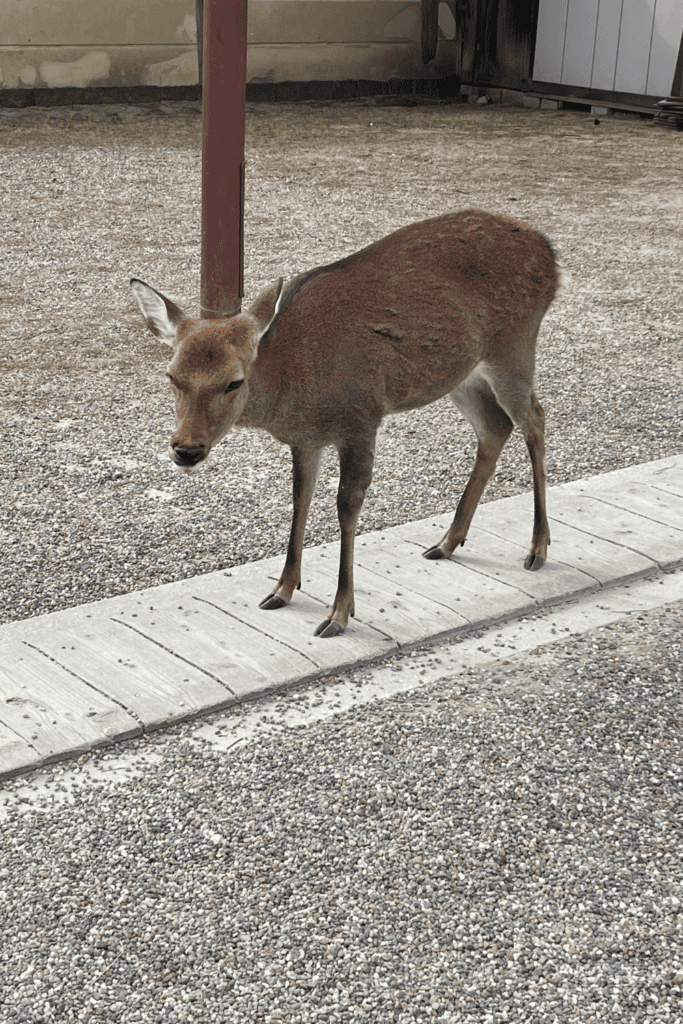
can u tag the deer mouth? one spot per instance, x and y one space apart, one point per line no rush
186 459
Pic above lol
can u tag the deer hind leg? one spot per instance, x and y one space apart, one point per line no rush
513 388
306 463
492 425
533 429
355 466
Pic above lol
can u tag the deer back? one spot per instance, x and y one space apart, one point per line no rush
399 323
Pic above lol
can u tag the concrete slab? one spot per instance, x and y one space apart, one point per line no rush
106 671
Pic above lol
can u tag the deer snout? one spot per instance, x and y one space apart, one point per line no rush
187 455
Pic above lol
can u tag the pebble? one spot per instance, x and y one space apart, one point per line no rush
485 847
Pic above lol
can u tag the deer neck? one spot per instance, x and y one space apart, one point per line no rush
260 410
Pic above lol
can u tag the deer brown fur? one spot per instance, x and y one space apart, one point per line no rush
450 305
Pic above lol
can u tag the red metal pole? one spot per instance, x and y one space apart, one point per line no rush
223 106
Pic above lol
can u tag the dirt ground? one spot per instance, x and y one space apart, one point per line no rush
92 196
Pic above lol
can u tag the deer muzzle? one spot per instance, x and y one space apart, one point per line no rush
187 456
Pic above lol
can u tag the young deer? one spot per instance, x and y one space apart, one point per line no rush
451 305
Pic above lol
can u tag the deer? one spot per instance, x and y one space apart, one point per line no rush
446 306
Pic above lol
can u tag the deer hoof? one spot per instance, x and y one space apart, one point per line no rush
329 628
433 553
534 562
272 601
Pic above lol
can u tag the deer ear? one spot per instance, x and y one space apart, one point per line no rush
265 307
163 316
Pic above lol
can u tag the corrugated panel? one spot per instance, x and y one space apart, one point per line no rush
666 41
620 45
579 42
606 44
552 23
635 36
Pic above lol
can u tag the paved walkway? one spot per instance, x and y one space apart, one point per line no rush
108 671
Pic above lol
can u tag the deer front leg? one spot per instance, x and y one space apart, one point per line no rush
305 462
355 474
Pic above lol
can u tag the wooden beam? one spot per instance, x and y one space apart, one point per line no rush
677 86
223 106
430 29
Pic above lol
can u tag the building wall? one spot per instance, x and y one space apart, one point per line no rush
626 46
59 43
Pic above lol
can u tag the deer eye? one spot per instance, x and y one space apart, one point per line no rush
234 384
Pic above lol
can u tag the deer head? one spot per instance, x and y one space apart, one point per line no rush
210 368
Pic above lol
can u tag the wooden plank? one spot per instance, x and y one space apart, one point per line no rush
654 504
606 555
16 754
669 485
600 559
295 624
405 614
478 598
606 561
664 475
493 553
155 686
656 541
245 660
52 710
383 601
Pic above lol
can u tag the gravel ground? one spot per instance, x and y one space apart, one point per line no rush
505 846
500 846
93 195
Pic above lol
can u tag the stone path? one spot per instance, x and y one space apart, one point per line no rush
111 670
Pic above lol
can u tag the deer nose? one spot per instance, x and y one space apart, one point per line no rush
188 455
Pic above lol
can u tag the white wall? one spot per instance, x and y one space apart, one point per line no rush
618 45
